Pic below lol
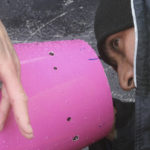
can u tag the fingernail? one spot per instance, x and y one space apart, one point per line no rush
29 136
28 132
29 129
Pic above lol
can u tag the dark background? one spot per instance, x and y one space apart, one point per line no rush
42 20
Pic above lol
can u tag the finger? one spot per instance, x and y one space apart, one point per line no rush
4 107
18 101
7 45
7 48
21 116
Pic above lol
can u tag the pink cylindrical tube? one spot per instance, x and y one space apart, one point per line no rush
70 103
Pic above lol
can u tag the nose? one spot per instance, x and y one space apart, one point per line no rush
126 78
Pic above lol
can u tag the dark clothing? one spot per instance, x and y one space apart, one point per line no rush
142 107
125 120
125 129
103 144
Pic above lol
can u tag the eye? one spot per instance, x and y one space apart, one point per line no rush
115 43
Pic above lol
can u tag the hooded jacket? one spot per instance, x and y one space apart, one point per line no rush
141 15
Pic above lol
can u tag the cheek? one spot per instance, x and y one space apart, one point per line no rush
130 47
130 54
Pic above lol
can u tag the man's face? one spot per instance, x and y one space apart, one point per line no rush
120 52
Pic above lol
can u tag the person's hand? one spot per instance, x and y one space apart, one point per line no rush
13 94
